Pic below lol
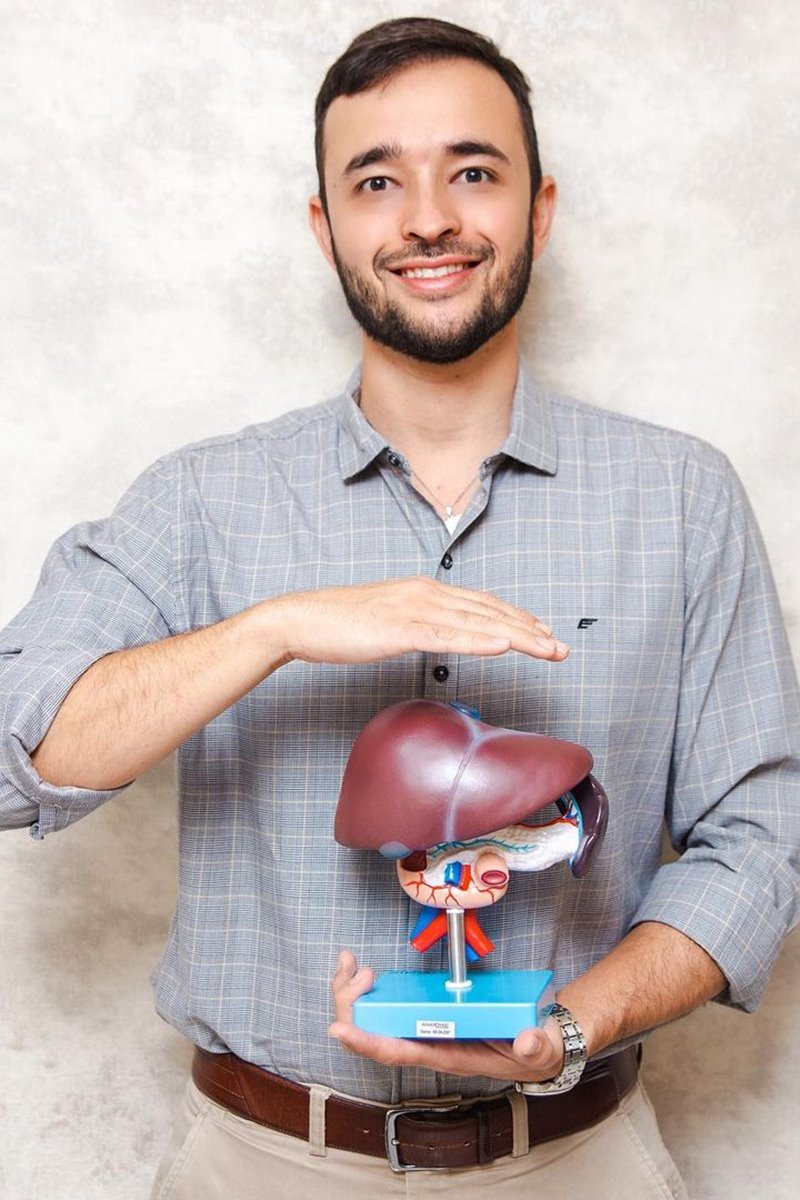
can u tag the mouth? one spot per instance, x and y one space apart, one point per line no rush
434 272
435 279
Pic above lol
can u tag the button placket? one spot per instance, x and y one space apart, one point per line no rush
442 677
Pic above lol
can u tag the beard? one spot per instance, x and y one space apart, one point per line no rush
385 321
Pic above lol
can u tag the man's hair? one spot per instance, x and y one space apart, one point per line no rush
382 51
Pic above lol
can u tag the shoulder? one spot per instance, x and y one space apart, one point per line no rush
243 466
255 452
315 424
631 441
664 475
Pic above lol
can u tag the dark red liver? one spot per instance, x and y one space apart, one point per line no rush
423 772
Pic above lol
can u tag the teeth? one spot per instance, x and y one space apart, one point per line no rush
433 272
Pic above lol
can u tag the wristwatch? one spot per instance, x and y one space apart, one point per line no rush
574 1057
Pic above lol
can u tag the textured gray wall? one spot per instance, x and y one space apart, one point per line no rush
158 284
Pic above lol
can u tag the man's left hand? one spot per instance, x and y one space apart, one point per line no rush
534 1055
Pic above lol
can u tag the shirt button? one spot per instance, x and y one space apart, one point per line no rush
441 673
394 460
447 561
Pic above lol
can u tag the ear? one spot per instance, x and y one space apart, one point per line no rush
320 227
544 210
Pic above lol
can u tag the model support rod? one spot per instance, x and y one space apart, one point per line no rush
457 953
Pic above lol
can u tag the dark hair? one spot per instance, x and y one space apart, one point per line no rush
380 52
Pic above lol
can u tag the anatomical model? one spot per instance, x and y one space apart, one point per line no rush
454 801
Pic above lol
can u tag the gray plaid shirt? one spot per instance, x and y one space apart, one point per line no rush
635 543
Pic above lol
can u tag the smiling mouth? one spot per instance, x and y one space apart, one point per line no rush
434 272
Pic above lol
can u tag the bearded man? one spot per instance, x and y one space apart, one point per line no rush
255 600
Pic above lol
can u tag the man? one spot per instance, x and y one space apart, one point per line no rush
255 600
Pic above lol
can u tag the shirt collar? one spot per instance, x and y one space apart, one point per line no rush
359 443
532 439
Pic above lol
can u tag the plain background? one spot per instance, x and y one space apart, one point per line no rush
158 284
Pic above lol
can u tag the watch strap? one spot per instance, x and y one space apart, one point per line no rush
574 1057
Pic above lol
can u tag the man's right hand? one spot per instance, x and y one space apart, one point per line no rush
384 620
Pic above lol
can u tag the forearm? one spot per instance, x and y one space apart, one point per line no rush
653 976
134 707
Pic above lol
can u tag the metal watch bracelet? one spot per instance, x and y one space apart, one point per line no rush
574 1057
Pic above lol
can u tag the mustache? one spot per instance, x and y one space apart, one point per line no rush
393 261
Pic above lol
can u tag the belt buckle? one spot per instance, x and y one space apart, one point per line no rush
392 1142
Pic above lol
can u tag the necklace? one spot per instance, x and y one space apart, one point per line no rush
448 508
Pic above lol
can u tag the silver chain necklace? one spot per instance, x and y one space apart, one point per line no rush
448 508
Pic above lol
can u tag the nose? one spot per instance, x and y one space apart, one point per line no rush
490 870
430 215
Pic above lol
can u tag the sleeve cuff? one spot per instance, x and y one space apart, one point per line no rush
45 678
739 920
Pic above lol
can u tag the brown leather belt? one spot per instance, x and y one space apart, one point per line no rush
457 1134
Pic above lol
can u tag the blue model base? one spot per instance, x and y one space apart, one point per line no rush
416 1004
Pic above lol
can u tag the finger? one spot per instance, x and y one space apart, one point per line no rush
519 625
485 604
548 648
532 1046
349 982
539 1053
486 616
385 1050
469 1058
483 601
462 608
454 639
346 967
400 1052
493 639
526 634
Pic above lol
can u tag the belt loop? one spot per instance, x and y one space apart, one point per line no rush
317 1099
519 1123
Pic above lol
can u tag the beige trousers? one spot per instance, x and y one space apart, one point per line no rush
215 1155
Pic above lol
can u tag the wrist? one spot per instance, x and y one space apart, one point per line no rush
573 1055
271 629
598 1030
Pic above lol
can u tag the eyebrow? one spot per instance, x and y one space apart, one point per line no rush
384 152
387 152
482 149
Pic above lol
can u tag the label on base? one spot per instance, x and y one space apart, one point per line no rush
436 1029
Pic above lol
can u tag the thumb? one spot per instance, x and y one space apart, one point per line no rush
541 1048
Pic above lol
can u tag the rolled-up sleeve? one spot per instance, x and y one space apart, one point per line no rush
105 586
733 809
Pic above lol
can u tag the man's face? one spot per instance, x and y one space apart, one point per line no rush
429 208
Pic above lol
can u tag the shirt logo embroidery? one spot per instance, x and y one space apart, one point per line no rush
586 622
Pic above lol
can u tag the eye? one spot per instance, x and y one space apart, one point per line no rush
476 175
375 183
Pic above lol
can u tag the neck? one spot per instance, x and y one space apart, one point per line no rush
449 416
